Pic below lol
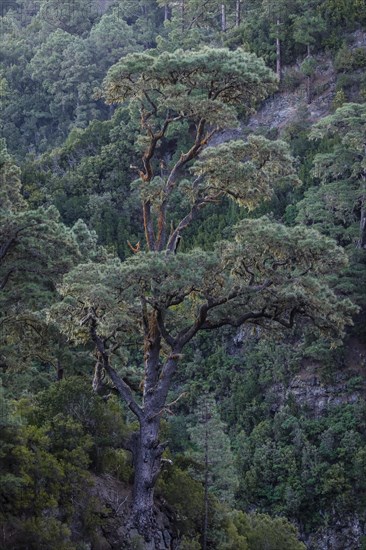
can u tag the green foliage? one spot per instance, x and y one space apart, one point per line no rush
339 99
73 407
341 12
190 544
276 534
193 86
36 250
53 58
43 533
185 495
336 207
91 180
297 465
350 59
257 531
35 482
308 66
45 462
10 185
250 181
117 463
297 261
308 27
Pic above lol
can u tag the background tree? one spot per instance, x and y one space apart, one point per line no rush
347 160
336 206
277 13
36 250
212 448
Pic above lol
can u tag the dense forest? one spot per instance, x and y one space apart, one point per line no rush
183 274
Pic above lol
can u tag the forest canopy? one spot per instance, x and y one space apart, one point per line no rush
182 274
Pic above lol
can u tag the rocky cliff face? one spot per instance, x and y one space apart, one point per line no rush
287 107
310 389
342 534
292 105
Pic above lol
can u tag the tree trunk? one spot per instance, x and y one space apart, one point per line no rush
308 89
309 79
60 371
144 444
167 13
147 451
205 520
362 239
223 18
147 455
278 50
238 13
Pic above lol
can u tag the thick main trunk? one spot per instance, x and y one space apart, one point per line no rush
147 455
147 452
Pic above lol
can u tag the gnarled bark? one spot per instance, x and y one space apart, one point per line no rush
147 466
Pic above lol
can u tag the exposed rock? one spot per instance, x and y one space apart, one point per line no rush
359 39
342 534
310 392
283 108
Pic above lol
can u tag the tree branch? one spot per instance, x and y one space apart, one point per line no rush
186 221
5 247
123 389
148 225
200 141
252 315
6 278
158 399
165 334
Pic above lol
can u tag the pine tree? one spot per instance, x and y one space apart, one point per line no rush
160 298
212 448
36 250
